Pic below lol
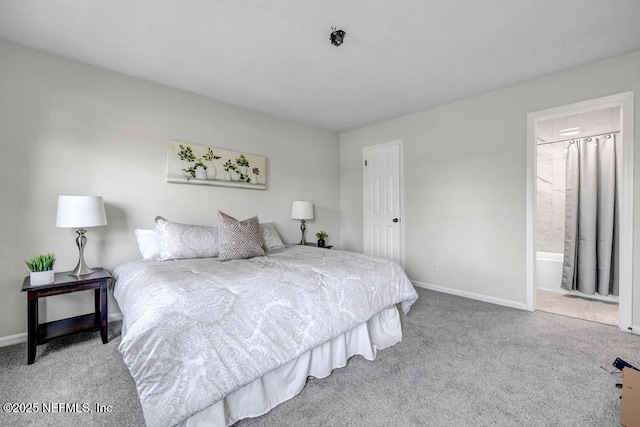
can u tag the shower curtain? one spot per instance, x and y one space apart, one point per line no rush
591 225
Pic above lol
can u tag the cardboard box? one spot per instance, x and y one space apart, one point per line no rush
630 404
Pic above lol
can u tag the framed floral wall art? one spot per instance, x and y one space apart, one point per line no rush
202 165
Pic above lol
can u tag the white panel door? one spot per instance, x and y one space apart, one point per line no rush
382 227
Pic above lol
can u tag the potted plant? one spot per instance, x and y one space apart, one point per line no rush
321 235
200 170
228 167
195 167
242 168
256 174
211 169
243 164
41 267
187 157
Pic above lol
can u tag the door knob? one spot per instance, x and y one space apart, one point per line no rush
395 220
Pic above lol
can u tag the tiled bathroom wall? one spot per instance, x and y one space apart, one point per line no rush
551 197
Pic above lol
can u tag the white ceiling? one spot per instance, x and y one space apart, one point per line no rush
274 55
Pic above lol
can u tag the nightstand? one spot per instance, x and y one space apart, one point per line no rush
41 333
315 245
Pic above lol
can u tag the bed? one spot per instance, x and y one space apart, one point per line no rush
209 342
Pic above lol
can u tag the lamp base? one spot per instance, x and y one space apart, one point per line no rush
303 227
82 269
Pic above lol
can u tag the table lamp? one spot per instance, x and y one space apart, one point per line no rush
302 210
80 212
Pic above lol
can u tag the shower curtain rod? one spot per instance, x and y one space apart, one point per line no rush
580 137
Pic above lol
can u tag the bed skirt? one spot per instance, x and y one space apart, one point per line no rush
265 393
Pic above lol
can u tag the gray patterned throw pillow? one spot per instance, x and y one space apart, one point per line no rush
239 239
178 241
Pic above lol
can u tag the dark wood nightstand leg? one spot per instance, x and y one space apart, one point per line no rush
97 322
104 330
32 326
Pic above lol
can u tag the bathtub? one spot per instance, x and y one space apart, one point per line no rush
549 271
549 276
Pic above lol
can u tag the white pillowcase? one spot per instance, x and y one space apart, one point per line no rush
148 243
270 236
179 241
150 246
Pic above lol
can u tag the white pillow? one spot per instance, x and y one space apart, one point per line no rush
179 241
239 239
270 236
148 243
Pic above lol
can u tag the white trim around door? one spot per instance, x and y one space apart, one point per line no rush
625 101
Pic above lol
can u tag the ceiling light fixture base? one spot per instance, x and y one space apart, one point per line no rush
337 37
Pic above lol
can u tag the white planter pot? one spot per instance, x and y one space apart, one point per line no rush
41 277
201 173
211 171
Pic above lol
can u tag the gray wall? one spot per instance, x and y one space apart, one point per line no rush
71 128
465 179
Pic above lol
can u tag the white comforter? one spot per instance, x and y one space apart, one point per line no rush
196 330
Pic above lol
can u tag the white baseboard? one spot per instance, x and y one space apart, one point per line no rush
13 339
22 337
635 329
471 295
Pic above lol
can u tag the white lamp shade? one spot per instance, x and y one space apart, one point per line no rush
80 212
302 209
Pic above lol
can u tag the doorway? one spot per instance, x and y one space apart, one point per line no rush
544 250
576 161
383 201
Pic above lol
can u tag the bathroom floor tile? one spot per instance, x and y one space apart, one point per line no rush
578 307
